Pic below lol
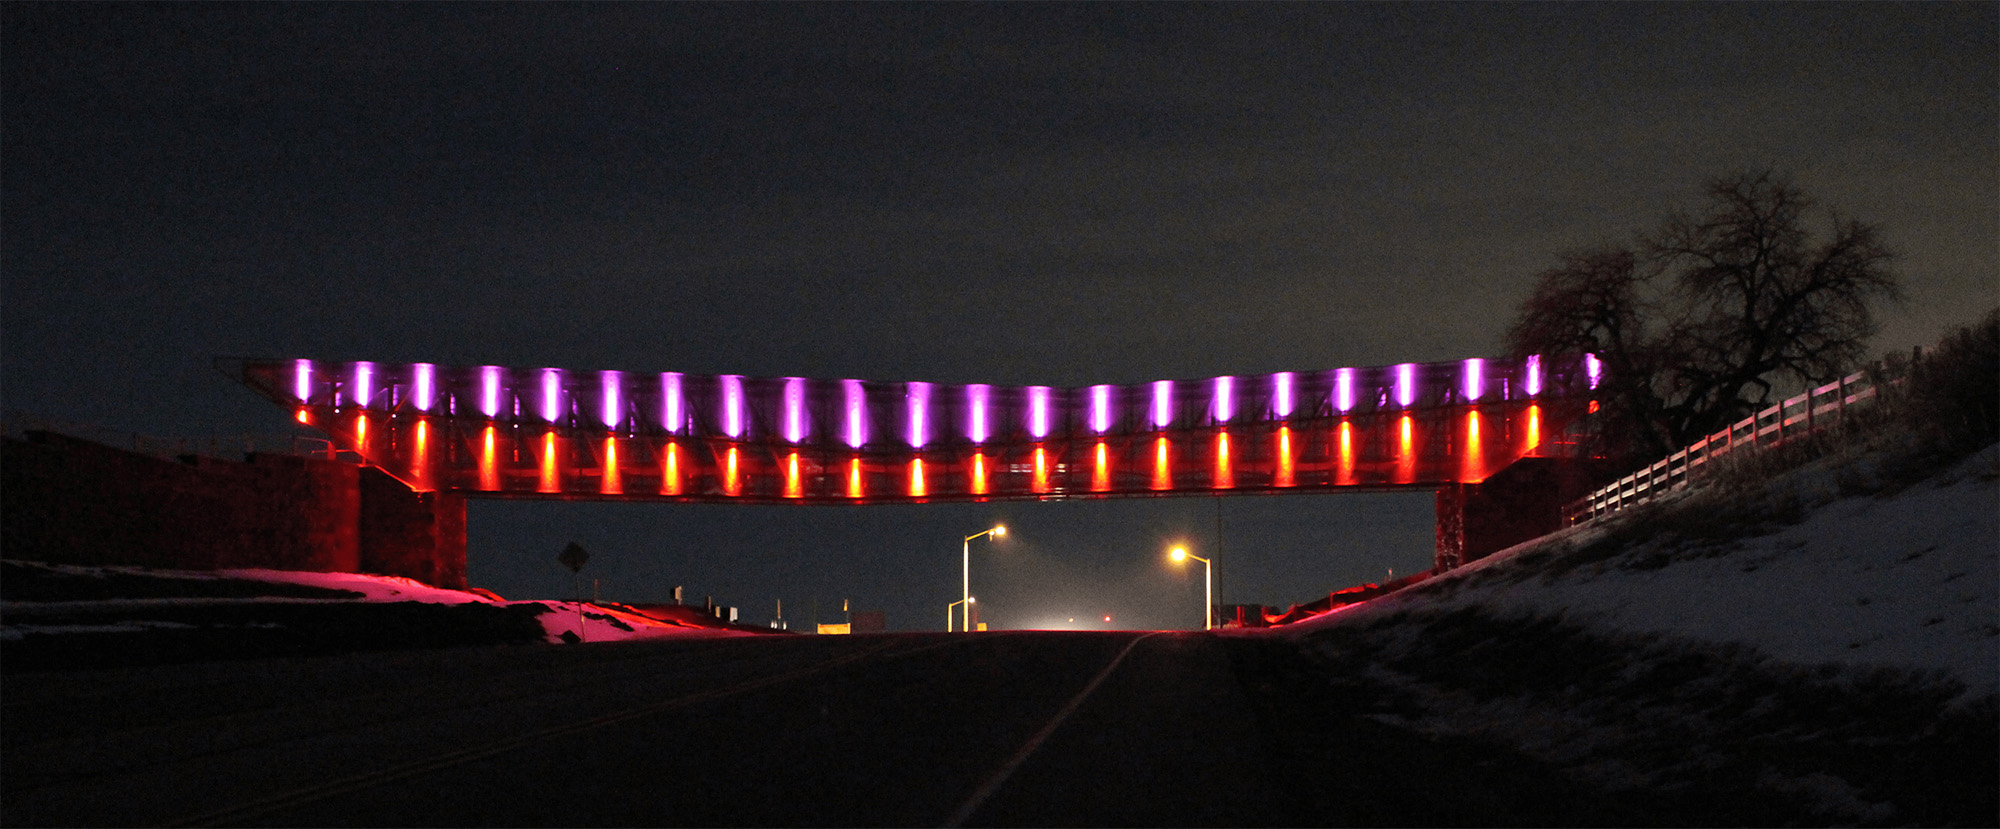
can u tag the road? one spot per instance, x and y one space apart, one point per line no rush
1043 728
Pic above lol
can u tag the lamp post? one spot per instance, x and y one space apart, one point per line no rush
1207 585
949 613
965 579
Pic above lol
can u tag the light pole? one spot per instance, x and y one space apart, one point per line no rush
1207 585
948 612
965 579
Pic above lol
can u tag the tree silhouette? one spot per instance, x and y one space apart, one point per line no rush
1700 320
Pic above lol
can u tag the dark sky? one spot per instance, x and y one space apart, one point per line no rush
1013 193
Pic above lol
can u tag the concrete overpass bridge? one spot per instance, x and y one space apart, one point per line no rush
552 433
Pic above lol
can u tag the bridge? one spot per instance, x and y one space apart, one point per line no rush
490 431
553 433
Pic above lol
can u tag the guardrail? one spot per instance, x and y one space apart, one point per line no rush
1791 419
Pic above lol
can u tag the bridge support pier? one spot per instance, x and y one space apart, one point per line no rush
1520 503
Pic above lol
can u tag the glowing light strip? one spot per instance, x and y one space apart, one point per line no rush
489 391
976 397
1163 403
917 396
551 394
1593 368
1100 409
1281 395
1343 390
857 414
732 405
364 375
1534 384
1475 383
422 386
302 384
610 382
1406 384
1223 406
795 410
673 414
1038 411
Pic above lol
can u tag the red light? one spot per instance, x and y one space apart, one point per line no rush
978 473
732 479
1107 618
1225 478
613 482
1283 476
670 469
918 487
1345 475
1100 473
420 464
1163 473
550 481
489 467
1534 427
794 488
1406 451
854 478
303 417
1041 482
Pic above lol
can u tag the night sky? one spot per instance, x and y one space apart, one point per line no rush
1012 194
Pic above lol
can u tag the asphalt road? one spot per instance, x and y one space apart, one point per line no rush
1076 729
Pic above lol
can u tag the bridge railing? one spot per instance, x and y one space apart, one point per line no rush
1791 419
17 424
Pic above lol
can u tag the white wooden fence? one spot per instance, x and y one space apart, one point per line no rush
1789 420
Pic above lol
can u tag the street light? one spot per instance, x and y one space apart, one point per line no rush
948 610
965 580
1207 585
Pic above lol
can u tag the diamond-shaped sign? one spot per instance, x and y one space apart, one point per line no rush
573 557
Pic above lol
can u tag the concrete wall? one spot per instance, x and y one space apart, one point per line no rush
1520 503
71 501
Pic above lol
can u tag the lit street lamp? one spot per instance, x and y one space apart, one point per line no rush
1207 585
965 580
948 611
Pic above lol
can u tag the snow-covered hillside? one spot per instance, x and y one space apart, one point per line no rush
1820 646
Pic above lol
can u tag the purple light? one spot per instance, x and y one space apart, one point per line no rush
671 415
551 394
1100 409
364 375
1223 406
795 409
489 391
1534 375
857 413
302 384
1475 383
1593 368
1163 403
976 396
1281 394
732 404
609 383
1038 411
422 376
1343 389
1406 384
918 398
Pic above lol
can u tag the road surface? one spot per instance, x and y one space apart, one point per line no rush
1017 728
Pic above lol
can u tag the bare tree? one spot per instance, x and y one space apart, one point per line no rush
1701 320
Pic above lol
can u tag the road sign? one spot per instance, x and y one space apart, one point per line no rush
573 557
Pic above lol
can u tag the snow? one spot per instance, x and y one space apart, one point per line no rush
599 624
1908 580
